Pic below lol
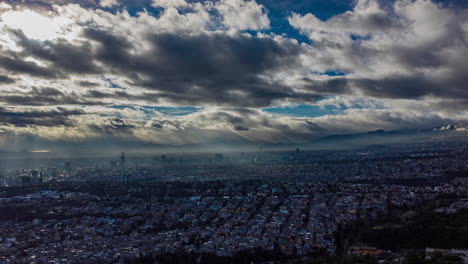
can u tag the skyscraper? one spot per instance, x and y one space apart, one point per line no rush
2 177
68 168
122 160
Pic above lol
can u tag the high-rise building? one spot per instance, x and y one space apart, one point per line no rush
2 177
122 160
68 167
34 173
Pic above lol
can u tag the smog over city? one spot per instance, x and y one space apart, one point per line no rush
233 131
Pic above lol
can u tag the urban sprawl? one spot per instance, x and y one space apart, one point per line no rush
293 204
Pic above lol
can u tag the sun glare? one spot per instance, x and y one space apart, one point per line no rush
34 25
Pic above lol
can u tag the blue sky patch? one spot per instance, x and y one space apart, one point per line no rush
359 38
114 85
334 73
306 110
174 111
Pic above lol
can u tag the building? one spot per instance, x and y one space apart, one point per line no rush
2 177
113 164
122 160
68 167
126 177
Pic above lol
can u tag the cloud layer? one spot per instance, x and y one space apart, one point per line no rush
97 71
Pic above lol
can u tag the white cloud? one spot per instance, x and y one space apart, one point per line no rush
4 7
366 18
169 3
404 69
108 3
35 25
243 15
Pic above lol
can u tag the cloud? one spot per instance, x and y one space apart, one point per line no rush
230 127
108 3
243 15
366 18
62 55
169 3
212 68
401 66
6 80
19 65
409 51
51 118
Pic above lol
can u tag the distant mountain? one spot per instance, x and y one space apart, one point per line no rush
382 137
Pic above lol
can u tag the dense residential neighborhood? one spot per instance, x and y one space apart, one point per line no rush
76 219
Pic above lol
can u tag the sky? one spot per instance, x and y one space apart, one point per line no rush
114 74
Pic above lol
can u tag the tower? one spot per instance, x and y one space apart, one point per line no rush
122 160
2 177
68 168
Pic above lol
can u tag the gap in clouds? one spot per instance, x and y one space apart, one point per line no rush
306 110
171 111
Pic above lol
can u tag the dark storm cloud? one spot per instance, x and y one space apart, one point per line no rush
332 86
47 96
62 55
217 68
114 50
6 80
18 65
87 84
209 68
241 128
396 87
161 123
48 118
